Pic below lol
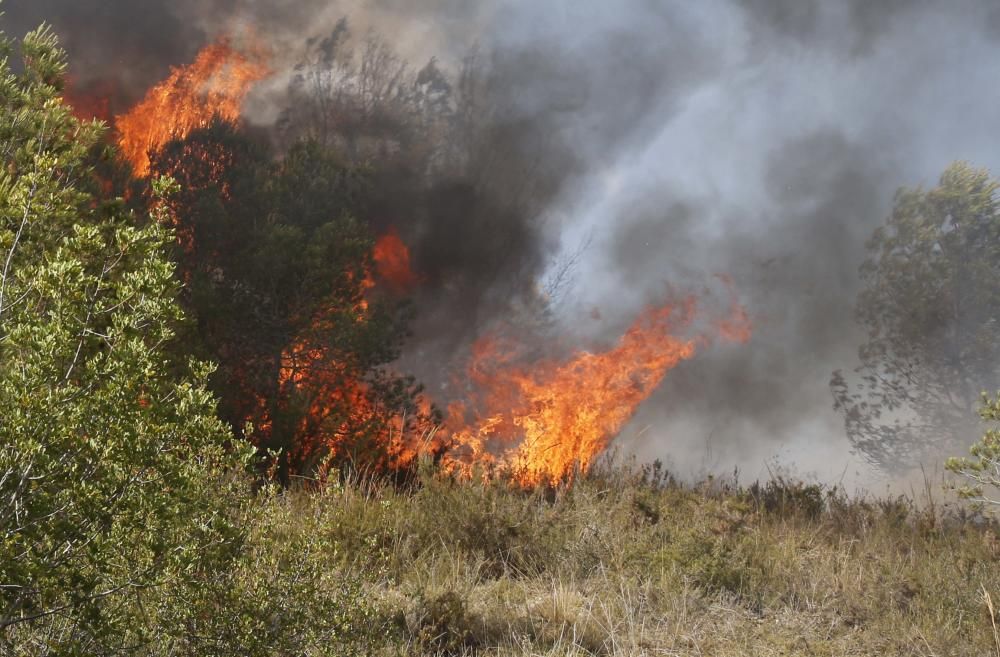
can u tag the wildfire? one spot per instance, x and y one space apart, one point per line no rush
543 422
339 405
539 422
214 85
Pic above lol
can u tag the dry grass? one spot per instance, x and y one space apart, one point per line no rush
627 563
619 564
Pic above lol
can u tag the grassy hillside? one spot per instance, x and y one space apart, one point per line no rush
634 564
619 564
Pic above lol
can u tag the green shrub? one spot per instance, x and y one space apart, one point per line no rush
112 459
284 591
717 563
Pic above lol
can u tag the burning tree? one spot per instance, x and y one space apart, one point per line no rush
213 86
280 274
279 265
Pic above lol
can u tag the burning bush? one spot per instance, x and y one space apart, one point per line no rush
280 273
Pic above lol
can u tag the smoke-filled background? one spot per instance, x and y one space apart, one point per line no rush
668 142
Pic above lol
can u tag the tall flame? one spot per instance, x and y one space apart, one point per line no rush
214 85
543 422
539 422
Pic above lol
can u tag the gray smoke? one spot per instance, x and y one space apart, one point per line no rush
776 169
762 139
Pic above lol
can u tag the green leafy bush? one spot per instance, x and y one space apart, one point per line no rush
284 590
111 454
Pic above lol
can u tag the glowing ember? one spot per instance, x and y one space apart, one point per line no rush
215 85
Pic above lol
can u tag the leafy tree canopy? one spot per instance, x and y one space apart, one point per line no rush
109 445
931 307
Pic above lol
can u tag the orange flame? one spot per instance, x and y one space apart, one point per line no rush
392 262
340 409
544 422
215 85
540 424
340 405
90 102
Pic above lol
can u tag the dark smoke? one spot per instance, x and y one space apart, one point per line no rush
674 141
132 44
